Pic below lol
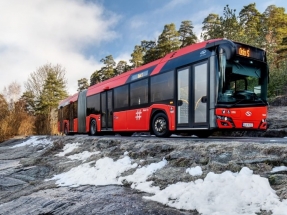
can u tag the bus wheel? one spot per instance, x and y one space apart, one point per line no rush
93 127
160 125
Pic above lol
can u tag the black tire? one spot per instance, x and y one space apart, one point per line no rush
93 128
160 125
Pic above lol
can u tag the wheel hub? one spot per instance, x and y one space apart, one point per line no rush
160 125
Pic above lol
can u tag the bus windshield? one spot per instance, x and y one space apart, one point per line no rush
241 82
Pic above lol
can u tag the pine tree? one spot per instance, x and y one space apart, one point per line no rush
168 41
83 84
137 56
53 92
211 27
230 25
186 35
250 22
122 67
150 50
108 70
96 77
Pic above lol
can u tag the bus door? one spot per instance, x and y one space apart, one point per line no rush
107 110
192 98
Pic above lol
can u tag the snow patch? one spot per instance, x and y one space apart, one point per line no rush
104 172
68 148
194 171
140 176
34 141
226 193
82 156
279 169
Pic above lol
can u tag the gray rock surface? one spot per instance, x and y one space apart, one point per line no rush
23 171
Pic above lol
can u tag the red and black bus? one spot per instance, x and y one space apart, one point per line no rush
213 85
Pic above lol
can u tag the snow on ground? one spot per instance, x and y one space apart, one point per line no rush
140 176
104 172
34 141
279 169
226 193
195 171
79 156
68 148
82 156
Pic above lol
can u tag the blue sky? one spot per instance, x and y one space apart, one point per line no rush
77 34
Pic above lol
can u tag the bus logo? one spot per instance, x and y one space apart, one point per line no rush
202 53
248 113
138 115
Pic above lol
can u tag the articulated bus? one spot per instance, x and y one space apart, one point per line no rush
212 85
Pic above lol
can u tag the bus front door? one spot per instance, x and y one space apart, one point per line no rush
107 110
192 98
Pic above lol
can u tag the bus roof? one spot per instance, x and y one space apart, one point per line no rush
157 64
68 100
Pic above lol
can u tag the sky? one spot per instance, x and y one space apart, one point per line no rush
245 192
77 34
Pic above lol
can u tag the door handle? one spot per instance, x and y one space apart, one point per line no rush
179 102
204 99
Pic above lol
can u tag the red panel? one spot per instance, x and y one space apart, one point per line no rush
137 120
120 121
239 116
76 125
169 110
88 119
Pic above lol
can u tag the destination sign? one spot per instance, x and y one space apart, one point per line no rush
250 52
244 52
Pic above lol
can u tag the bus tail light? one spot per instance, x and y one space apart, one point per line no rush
171 109
263 124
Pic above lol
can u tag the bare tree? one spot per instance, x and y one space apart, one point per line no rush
12 93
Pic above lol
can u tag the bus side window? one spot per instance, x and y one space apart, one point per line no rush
157 96
139 92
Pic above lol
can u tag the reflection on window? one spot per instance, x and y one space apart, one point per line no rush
183 95
200 80
121 97
75 111
66 112
139 92
93 104
162 87
242 82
